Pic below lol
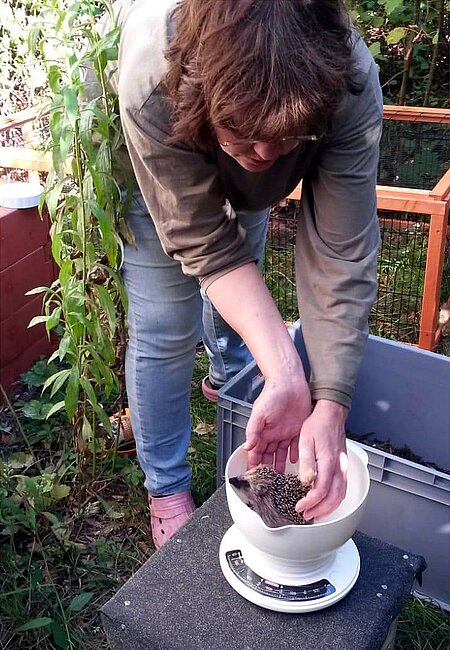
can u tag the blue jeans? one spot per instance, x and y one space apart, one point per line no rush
168 315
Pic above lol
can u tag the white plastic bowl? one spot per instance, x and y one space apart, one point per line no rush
297 544
20 194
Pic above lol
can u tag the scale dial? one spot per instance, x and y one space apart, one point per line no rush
292 593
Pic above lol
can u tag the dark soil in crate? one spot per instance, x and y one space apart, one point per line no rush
401 452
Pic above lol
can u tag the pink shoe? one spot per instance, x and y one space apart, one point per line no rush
208 391
168 514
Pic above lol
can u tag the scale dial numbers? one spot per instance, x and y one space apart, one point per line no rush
293 593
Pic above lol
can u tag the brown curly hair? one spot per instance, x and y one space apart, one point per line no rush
262 68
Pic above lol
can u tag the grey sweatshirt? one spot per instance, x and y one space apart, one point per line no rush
191 197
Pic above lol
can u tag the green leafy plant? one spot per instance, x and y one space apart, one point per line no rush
23 74
408 42
64 542
87 302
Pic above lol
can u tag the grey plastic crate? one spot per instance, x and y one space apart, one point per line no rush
402 396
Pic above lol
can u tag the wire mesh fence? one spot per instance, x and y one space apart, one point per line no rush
279 258
401 270
413 154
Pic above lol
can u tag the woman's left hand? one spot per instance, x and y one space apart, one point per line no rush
323 459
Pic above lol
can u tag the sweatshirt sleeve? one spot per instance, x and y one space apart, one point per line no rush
337 245
183 194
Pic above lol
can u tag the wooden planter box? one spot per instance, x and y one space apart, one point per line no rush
25 263
402 396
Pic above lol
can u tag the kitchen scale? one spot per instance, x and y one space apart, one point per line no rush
330 581
294 569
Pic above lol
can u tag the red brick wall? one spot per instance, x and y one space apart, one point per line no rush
25 263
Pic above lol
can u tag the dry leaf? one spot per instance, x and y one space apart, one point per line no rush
205 429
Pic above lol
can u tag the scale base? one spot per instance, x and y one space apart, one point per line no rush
320 592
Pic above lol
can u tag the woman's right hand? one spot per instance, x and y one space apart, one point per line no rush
244 301
277 417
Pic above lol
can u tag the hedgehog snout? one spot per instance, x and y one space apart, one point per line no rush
239 482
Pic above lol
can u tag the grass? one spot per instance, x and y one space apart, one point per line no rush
202 451
69 539
422 626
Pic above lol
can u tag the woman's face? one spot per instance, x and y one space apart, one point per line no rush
254 155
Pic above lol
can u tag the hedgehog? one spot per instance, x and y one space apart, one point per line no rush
271 495
444 318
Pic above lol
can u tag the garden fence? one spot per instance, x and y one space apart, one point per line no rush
413 195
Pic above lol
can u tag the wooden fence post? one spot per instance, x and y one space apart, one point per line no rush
433 277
